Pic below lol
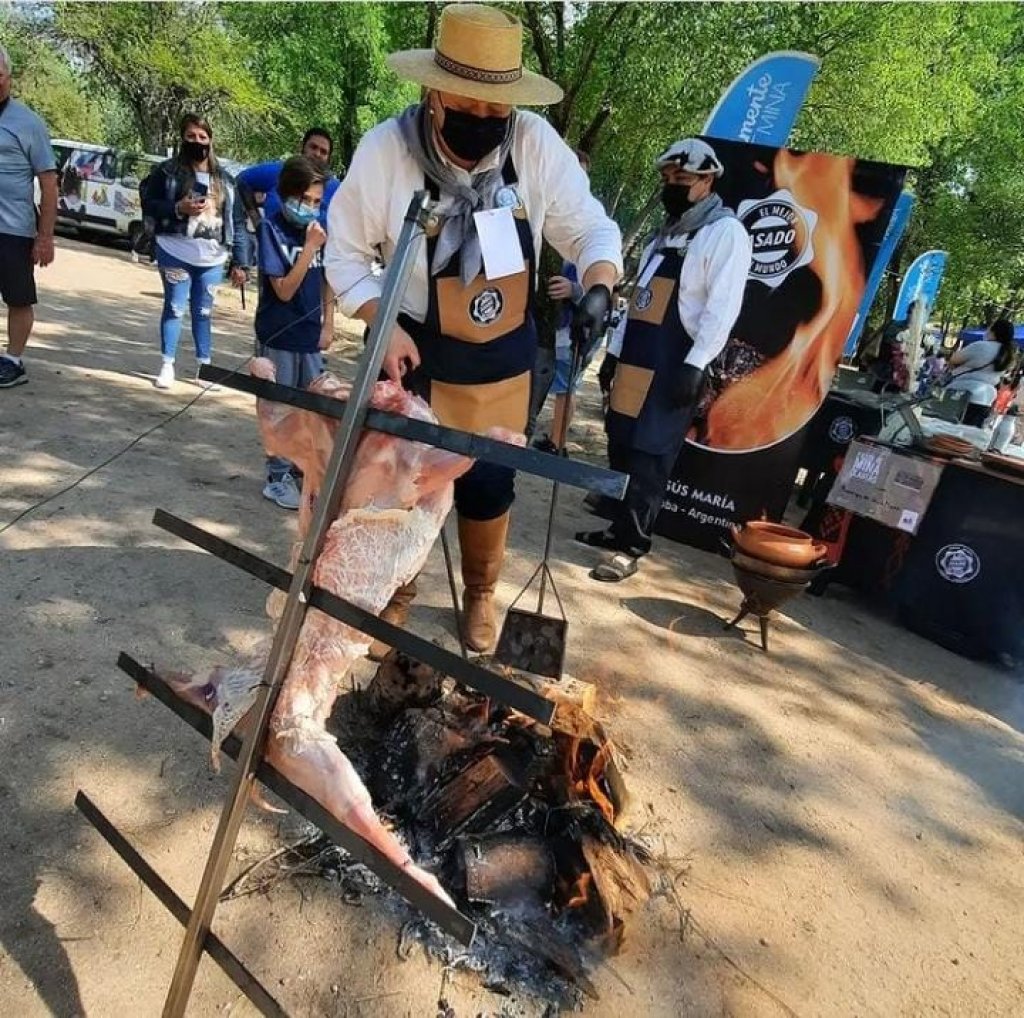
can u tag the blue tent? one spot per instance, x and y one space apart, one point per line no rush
969 336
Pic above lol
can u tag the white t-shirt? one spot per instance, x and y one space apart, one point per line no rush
201 246
978 364
977 373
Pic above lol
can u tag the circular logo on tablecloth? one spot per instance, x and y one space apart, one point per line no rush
842 429
958 563
486 306
642 298
780 235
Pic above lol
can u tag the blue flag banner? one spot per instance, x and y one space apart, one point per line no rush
893 234
922 282
763 102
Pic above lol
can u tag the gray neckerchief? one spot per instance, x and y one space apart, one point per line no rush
458 235
707 210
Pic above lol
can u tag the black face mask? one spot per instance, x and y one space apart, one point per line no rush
470 137
194 151
676 198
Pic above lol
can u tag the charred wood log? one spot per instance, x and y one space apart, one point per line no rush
418 746
508 869
474 800
401 682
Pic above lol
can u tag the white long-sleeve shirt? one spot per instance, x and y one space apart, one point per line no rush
367 211
711 284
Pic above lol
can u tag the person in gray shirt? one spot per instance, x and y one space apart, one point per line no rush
25 153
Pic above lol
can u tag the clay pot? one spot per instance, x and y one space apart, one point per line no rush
782 546
777 530
785 574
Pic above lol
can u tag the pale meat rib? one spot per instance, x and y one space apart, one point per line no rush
394 505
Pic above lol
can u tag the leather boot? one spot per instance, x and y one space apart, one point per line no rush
482 544
397 613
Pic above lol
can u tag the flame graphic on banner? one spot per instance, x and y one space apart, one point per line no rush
783 394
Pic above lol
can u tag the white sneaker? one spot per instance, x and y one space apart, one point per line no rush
165 380
284 492
208 386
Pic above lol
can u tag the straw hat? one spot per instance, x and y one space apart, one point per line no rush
478 54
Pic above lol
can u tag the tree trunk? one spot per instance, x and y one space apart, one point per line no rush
428 34
636 230
895 280
589 137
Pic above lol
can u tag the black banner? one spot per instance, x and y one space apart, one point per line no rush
816 222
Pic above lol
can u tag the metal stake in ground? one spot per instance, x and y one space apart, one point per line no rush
288 628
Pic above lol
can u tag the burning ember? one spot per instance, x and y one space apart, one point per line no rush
519 821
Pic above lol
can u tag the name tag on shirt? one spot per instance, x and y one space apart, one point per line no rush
499 243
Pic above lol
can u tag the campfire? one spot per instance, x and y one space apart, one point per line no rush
521 821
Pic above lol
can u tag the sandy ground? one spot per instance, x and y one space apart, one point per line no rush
845 813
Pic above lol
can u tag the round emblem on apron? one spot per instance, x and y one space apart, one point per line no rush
642 298
507 198
957 563
486 306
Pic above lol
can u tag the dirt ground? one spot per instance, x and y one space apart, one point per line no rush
845 813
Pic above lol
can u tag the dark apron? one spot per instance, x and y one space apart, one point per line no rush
641 415
478 343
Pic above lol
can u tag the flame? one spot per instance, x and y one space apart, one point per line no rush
585 780
579 893
784 393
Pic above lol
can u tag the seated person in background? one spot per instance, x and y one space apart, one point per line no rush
295 315
978 368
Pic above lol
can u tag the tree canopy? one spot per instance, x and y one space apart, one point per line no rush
935 86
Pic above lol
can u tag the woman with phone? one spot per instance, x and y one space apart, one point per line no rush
189 200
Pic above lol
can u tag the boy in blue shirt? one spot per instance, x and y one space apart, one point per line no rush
295 315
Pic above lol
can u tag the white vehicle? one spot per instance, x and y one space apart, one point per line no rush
98 187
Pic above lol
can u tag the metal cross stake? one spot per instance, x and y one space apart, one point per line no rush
287 633
353 415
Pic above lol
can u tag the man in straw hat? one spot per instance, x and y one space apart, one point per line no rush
466 339
687 298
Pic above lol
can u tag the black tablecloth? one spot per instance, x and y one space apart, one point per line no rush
960 581
962 584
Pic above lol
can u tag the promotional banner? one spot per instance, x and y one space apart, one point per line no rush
898 223
816 223
762 103
921 283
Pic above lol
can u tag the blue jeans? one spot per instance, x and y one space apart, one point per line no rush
185 284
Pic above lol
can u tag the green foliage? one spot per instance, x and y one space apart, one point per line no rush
45 81
320 64
162 59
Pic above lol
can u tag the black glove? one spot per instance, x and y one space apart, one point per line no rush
688 386
606 372
590 318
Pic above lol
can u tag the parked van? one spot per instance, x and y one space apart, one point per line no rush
98 188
